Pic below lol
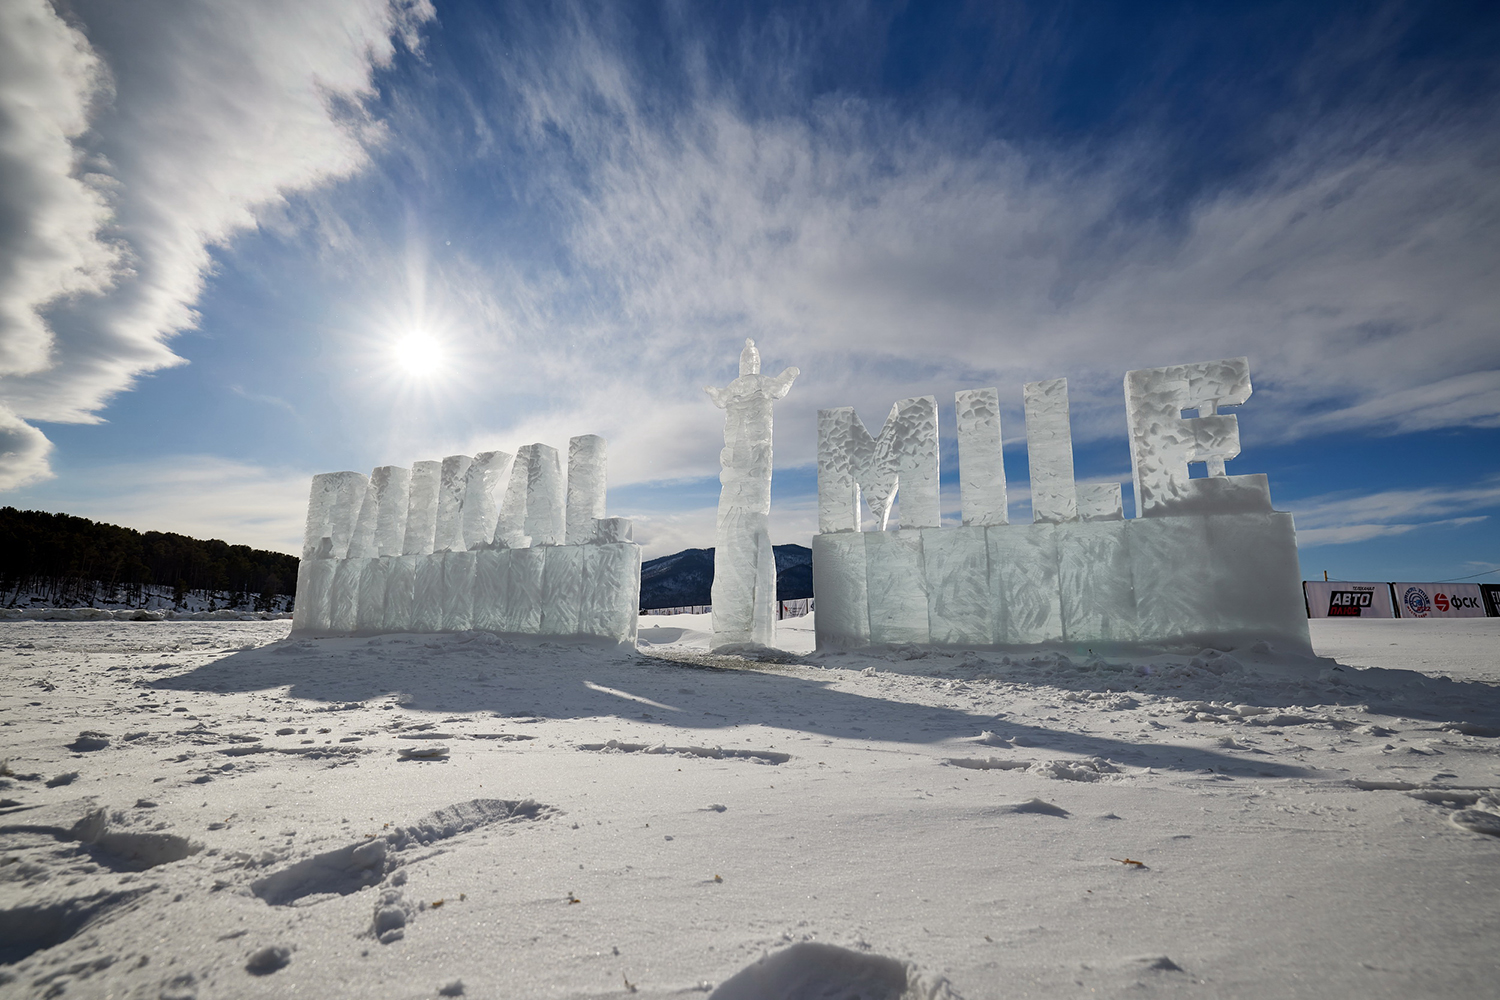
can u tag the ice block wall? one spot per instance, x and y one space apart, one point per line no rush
1206 561
494 542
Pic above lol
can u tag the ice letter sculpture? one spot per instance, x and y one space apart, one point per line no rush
495 542
1205 561
744 587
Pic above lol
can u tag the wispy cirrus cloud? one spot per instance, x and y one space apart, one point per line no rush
133 139
1342 518
902 249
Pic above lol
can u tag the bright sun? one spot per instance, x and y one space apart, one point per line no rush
418 353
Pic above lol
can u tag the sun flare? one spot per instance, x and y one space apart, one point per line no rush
419 353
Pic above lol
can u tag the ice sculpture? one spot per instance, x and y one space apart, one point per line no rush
856 465
981 465
585 487
1163 442
470 543
1205 561
546 515
1049 450
744 586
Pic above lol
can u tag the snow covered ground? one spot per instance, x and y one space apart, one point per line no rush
205 809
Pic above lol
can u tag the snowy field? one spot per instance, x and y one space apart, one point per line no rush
205 809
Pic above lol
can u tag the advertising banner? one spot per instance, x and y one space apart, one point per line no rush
1491 592
1439 600
1340 599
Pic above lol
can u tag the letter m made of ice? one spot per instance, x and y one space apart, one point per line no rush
905 456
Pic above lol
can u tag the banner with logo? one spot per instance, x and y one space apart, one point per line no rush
1439 600
1491 592
1338 599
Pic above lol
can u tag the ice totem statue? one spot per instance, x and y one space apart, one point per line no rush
744 588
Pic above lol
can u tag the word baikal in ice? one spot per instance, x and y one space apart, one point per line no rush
495 542
1205 561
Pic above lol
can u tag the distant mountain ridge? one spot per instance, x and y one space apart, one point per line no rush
685 578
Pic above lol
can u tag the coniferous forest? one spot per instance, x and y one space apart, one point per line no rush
71 557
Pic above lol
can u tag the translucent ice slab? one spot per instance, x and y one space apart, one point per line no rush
1094 581
400 592
840 581
586 487
510 523
1049 450
313 611
393 489
956 564
611 590
459 578
562 590
428 594
896 586
1024 583
481 508
370 618
452 482
545 521
422 504
981 465
1100 502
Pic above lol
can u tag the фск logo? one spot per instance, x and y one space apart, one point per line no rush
1455 602
1342 603
1417 602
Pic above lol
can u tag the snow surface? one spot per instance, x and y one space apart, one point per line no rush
207 809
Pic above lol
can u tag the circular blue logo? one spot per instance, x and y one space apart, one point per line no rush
1416 602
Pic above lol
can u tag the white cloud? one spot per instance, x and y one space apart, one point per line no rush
216 112
1343 535
889 254
23 452
1341 518
50 243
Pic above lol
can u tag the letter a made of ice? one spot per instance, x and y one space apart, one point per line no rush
744 588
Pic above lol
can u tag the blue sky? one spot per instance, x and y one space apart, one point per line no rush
222 225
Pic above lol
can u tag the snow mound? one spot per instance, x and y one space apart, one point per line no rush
355 866
1035 807
1483 816
810 970
1087 769
715 753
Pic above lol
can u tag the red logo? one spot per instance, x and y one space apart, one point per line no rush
1441 600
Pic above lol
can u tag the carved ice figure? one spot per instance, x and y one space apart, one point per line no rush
744 586
981 465
1049 451
1163 442
904 457
586 487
